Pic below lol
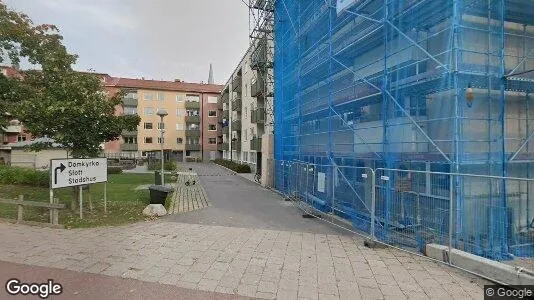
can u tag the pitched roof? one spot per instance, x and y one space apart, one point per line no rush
163 85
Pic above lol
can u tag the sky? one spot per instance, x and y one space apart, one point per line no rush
154 39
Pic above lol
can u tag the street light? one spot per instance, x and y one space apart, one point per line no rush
162 113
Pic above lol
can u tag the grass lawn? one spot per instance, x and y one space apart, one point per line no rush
124 204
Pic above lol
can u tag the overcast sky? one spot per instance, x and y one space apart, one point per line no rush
155 39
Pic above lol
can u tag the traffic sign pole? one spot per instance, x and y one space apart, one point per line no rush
81 202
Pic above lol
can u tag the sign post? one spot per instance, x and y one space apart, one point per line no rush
78 172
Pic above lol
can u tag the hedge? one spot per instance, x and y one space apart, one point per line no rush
167 166
24 176
236 167
114 170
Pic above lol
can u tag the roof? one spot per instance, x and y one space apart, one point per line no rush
10 71
38 140
163 85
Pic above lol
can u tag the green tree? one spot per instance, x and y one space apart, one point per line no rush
53 100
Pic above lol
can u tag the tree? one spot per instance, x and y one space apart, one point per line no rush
55 101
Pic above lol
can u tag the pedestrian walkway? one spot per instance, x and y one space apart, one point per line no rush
189 195
242 261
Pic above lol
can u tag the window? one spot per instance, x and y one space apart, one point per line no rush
180 98
161 125
179 140
149 111
187 153
180 127
245 156
212 141
180 112
161 96
131 95
21 138
213 99
246 88
192 126
212 113
212 127
130 140
252 157
192 98
148 96
160 139
130 111
246 112
148 125
148 140
246 134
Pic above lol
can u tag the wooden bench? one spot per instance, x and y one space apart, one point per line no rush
54 208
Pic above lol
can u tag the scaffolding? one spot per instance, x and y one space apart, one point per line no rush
261 25
426 85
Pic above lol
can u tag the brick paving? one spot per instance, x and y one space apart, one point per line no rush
259 263
189 195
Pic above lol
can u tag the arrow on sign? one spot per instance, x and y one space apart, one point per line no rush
61 167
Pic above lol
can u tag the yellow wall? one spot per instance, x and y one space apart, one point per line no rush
171 134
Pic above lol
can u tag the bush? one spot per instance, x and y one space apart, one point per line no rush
236 167
114 170
167 166
24 176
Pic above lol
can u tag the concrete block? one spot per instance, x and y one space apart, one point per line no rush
480 265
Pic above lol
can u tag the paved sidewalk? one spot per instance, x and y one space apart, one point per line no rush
189 195
248 262
78 285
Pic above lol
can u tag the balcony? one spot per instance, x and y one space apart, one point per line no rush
129 147
236 84
192 104
257 88
192 133
192 147
236 145
127 133
255 144
192 119
236 104
129 101
225 130
220 105
223 147
226 115
220 118
261 58
236 125
257 115
225 97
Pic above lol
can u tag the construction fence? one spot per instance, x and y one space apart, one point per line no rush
412 208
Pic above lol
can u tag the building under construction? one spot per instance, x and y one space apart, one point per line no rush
424 85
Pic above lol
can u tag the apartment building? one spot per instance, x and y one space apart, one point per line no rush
247 99
191 129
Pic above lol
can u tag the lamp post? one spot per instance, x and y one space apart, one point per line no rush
162 113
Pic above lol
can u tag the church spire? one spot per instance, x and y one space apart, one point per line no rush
210 79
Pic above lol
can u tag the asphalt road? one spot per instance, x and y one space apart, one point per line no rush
238 202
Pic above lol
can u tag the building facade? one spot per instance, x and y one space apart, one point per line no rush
428 86
190 134
247 111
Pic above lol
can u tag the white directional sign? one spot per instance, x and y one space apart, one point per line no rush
73 172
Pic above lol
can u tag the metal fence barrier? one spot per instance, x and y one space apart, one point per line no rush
489 216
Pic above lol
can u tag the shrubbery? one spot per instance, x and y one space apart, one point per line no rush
114 170
236 167
24 176
167 166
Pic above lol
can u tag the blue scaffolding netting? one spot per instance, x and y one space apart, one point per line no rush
424 85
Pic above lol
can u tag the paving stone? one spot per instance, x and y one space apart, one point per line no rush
247 290
267 287
287 294
262 295
207 285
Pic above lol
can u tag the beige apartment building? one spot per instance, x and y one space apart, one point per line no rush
185 131
247 99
